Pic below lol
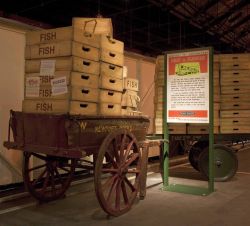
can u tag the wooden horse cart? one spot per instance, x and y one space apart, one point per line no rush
54 146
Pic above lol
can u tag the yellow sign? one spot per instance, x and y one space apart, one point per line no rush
189 68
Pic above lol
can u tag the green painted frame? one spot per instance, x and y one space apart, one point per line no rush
195 190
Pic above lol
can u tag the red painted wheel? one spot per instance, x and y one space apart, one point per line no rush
117 172
50 177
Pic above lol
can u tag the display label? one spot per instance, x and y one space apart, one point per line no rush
47 67
188 87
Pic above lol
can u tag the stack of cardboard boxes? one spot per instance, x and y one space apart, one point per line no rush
76 70
235 88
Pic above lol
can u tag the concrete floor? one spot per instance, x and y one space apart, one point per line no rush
229 205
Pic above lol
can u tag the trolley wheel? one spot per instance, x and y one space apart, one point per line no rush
225 162
50 178
117 172
194 153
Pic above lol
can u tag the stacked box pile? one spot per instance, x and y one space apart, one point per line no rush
76 70
235 88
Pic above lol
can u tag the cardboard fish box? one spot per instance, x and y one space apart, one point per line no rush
110 96
131 84
235 113
111 70
235 122
235 105
130 99
84 79
111 83
235 77
111 44
62 34
109 109
159 75
234 129
65 63
236 98
235 89
200 129
94 25
159 64
47 92
112 57
45 106
238 65
235 58
85 94
35 79
82 108
177 128
58 49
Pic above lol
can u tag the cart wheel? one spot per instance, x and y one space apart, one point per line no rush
225 163
194 153
117 172
51 177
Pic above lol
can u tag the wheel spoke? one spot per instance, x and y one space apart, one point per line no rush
118 195
112 160
109 181
37 167
129 148
110 170
130 185
59 176
115 150
111 189
45 184
124 192
122 148
40 177
133 158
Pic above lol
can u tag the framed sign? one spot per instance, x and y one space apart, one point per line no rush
187 78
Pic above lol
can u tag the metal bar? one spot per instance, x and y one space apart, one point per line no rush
211 123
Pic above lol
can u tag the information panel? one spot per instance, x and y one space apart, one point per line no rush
188 87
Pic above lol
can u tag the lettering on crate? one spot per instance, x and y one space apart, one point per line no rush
47 36
44 107
45 92
48 50
46 78
132 84
83 125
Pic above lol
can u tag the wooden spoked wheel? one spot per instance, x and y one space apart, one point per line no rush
47 177
117 172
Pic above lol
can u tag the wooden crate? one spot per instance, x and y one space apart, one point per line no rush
111 70
235 105
46 92
234 129
45 106
35 79
111 44
110 96
84 79
131 84
235 58
200 129
235 77
62 34
236 98
82 108
109 109
58 49
66 63
112 57
85 94
235 113
111 83
235 122
159 75
94 25
239 65
235 89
